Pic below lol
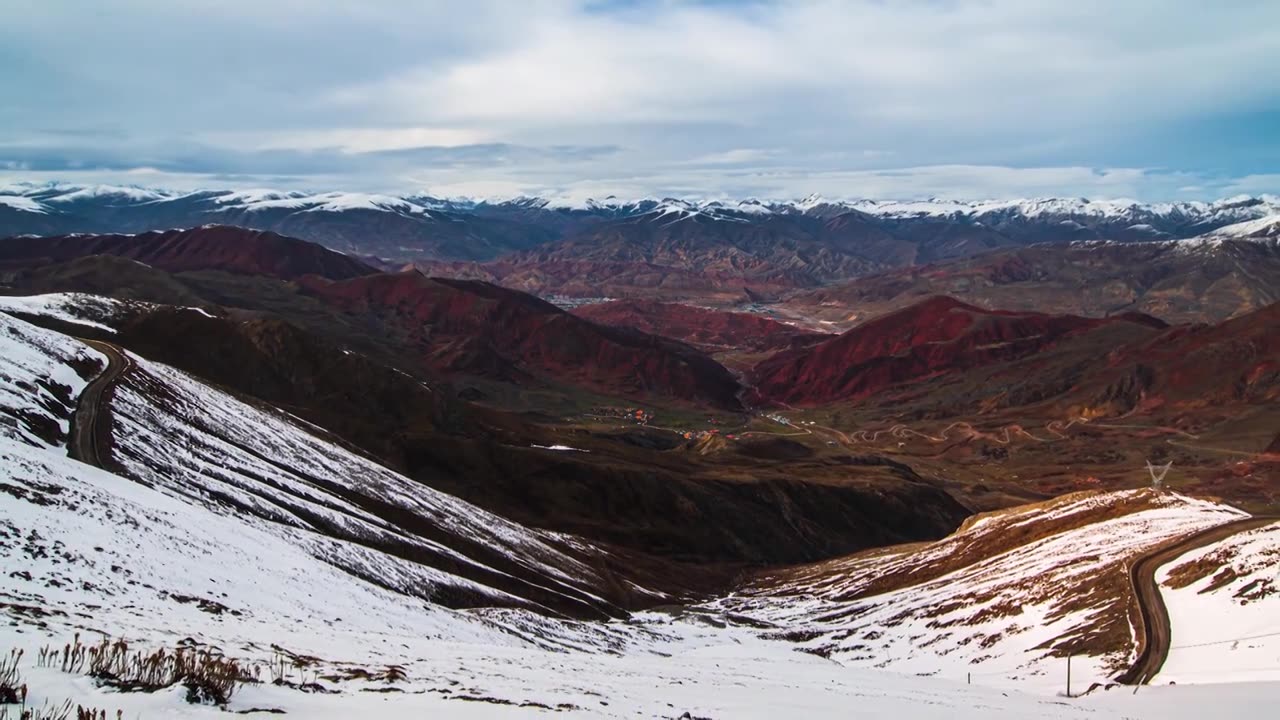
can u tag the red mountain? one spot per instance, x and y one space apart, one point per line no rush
1196 368
212 247
936 336
476 328
710 330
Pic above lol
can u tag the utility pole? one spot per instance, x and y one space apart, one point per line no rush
1068 676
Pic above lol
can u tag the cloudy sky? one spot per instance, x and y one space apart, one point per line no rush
1154 99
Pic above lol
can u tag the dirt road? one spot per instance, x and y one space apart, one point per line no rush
88 428
1156 632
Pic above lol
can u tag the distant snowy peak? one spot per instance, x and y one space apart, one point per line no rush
1152 218
1137 216
1264 228
1244 207
257 200
108 193
255 195
23 204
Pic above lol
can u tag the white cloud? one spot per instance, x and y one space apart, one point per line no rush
994 64
737 156
709 98
352 140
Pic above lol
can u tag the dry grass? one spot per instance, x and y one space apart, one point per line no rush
59 711
12 690
208 676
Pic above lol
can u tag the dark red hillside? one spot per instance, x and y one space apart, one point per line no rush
213 247
1198 368
474 327
936 336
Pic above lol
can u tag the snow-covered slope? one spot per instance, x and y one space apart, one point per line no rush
1261 228
1224 607
41 375
81 308
239 528
118 194
25 204
257 200
178 434
1004 599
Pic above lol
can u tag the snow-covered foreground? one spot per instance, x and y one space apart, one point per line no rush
247 530
1224 608
1003 600
106 556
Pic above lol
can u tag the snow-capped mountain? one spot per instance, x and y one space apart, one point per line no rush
1243 206
32 197
822 239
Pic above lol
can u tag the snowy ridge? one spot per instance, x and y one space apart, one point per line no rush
39 381
1262 228
1237 582
24 204
111 193
80 308
42 198
970 603
180 435
259 200
256 195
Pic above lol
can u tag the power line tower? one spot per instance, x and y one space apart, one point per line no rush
1157 473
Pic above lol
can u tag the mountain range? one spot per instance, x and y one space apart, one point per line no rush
773 244
434 488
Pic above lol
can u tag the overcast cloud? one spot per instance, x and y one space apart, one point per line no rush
1154 99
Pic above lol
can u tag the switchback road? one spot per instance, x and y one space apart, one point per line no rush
88 427
1155 629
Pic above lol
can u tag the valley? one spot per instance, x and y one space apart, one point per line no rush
923 489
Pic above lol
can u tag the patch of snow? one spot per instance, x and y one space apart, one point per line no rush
79 308
558 447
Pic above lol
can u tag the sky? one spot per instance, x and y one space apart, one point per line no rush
962 99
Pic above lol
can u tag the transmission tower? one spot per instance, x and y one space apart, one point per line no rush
1157 473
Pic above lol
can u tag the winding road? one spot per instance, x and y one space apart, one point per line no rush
88 427
1156 632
